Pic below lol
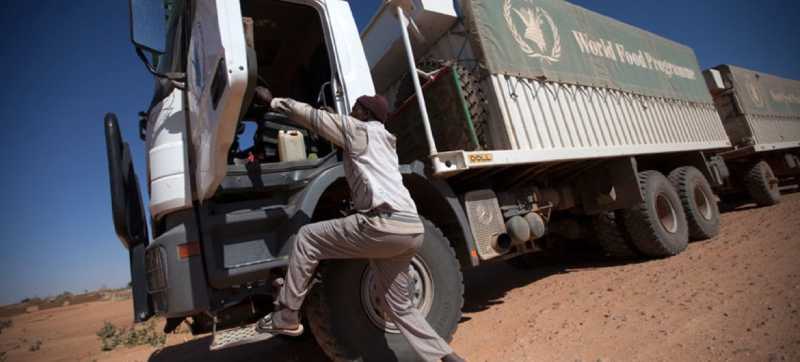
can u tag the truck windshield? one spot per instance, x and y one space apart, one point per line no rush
174 9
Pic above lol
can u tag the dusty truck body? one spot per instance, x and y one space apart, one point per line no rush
761 115
522 126
554 98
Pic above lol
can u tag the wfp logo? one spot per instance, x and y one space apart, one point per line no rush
755 95
527 25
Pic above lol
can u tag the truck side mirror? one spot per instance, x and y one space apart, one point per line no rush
148 25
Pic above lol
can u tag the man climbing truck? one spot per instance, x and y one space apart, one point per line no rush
521 126
385 227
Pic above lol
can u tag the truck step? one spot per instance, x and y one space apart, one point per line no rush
237 336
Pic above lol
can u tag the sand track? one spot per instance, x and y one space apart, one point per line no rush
736 297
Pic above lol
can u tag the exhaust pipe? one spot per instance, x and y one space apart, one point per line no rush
502 243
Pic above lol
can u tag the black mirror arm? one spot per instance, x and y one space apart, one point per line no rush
178 78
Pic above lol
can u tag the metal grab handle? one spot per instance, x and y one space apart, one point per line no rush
412 66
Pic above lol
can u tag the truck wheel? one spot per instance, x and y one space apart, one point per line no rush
612 236
762 184
698 200
657 226
348 322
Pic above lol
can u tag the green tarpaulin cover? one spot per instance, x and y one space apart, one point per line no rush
558 41
764 94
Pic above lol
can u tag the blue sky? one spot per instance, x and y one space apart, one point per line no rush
66 63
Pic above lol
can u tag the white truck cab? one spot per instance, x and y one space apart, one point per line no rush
219 74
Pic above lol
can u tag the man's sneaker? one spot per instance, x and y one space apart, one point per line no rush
452 357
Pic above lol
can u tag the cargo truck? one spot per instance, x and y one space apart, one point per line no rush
761 114
523 125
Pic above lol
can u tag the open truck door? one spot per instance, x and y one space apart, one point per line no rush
349 52
216 83
217 79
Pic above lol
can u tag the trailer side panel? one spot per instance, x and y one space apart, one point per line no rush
585 121
759 110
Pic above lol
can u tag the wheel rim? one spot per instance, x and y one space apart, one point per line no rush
666 214
422 293
701 200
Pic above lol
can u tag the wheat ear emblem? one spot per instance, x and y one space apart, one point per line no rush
754 94
533 27
534 20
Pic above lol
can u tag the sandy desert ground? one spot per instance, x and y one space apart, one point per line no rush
733 298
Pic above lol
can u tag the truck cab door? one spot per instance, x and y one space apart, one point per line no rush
216 82
354 79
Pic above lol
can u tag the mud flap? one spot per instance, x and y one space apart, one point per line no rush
611 186
142 304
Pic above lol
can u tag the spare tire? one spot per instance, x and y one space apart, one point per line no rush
349 327
657 225
470 89
699 202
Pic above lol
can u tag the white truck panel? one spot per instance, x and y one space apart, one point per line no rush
586 121
216 80
773 132
537 121
353 67
166 156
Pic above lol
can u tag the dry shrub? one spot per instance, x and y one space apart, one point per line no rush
35 346
5 324
112 336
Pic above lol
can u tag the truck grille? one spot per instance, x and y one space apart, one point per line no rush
485 220
155 262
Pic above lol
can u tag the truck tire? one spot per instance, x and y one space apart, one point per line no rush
348 327
762 185
611 234
698 200
657 226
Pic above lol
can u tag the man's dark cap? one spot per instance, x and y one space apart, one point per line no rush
378 105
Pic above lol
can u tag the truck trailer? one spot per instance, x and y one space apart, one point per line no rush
523 126
761 115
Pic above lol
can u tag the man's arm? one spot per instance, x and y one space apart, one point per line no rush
338 129
328 125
